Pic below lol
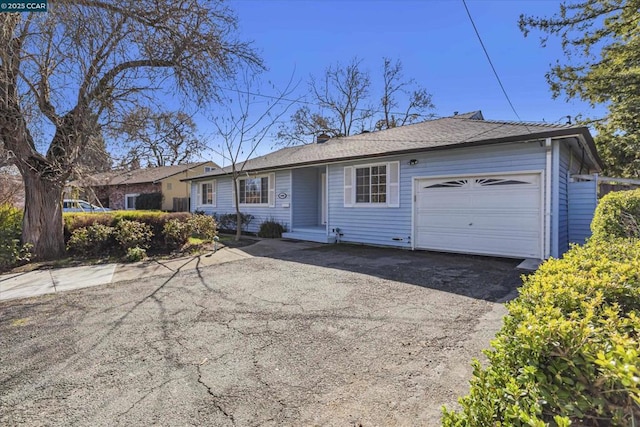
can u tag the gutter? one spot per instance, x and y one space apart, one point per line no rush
557 134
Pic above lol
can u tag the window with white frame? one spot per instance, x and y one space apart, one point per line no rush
130 201
372 185
254 190
206 193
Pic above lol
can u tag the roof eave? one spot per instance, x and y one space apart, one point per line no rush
582 132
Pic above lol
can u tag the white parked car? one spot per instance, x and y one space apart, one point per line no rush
74 205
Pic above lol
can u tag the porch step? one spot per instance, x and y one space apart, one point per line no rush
309 236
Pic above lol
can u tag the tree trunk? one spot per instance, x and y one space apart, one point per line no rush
42 223
236 195
238 223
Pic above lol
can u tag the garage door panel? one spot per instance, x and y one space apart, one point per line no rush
497 220
493 219
495 215
506 200
489 245
452 200
446 220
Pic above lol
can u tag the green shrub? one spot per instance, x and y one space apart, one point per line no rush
227 222
131 234
95 239
75 220
203 227
136 254
12 251
176 233
271 229
617 215
569 350
156 220
149 201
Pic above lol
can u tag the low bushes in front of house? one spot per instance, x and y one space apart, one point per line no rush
228 222
271 229
132 233
569 350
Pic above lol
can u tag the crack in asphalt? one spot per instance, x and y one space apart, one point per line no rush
280 343
217 405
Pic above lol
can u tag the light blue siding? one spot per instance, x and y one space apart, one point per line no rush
305 197
574 214
383 226
572 208
224 202
583 200
562 181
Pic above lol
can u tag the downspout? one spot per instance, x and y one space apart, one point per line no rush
326 189
555 197
291 200
414 196
547 200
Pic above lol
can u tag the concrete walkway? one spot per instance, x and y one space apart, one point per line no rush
40 282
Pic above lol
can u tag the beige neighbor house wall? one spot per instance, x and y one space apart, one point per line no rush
173 188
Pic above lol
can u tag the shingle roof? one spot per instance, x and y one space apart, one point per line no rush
468 129
136 176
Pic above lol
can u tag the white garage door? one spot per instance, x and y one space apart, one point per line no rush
493 215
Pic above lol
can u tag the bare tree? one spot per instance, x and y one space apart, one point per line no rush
419 101
160 139
95 157
341 96
247 123
86 62
341 103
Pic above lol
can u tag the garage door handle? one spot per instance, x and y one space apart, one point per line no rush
470 223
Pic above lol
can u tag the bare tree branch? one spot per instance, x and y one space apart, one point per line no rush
84 64
243 130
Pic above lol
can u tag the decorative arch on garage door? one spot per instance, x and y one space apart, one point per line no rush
497 214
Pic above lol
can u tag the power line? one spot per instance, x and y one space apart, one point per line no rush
489 59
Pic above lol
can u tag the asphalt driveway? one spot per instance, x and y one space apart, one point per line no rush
297 335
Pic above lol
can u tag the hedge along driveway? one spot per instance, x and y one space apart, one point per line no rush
331 335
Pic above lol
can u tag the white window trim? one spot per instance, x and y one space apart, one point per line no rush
271 184
350 187
126 197
214 190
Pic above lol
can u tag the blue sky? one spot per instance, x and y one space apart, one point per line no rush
434 40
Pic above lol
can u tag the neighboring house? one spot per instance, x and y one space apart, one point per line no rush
12 187
119 189
459 184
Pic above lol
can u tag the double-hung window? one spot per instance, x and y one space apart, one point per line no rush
254 190
373 185
130 201
206 193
